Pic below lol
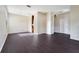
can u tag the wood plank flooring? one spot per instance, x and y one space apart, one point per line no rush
42 43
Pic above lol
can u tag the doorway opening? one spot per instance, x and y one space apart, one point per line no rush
32 23
61 23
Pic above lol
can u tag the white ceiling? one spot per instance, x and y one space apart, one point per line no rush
24 10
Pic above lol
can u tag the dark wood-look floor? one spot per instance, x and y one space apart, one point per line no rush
42 43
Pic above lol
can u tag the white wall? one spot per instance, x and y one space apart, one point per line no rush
52 23
19 23
49 22
3 25
45 22
74 22
42 22
62 23
35 22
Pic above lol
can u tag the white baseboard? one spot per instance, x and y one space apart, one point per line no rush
4 39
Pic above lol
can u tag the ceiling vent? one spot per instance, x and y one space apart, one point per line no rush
28 6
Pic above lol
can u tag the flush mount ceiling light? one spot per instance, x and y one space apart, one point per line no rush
28 6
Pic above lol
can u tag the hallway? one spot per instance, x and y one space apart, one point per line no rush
41 43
